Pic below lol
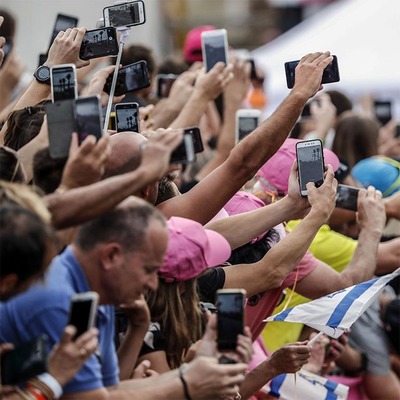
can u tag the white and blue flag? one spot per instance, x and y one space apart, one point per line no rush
335 313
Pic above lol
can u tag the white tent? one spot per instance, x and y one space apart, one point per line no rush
365 36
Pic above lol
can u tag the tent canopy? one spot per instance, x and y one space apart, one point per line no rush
364 35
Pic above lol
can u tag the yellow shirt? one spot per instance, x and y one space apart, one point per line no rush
332 248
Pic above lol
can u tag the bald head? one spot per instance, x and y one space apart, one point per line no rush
125 153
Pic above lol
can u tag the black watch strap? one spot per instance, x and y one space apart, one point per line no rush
42 74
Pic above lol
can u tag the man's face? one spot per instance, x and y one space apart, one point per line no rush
139 269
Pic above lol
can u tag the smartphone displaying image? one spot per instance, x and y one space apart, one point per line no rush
330 74
99 43
194 132
246 121
63 22
347 197
184 153
214 47
310 161
164 84
127 117
383 111
82 312
125 14
130 78
88 117
60 125
230 317
63 82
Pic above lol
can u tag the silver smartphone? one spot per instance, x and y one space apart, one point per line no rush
214 47
125 14
127 117
63 82
246 121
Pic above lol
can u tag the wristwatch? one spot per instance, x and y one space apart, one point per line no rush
42 74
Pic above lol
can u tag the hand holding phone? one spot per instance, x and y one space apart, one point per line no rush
230 317
62 23
184 153
99 43
214 47
88 117
330 74
347 197
83 311
310 162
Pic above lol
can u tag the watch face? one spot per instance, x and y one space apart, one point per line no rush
43 73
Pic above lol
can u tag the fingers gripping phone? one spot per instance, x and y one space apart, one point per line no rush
62 23
125 14
347 197
330 74
63 82
214 47
194 132
246 121
310 162
130 78
99 43
82 312
127 117
88 117
230 317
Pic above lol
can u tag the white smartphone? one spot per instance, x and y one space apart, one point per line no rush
88 117
214 47
125 14
246 121
127 117
83 311
310 161
63 82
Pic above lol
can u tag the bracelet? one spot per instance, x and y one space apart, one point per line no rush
51 383
182 369
36 393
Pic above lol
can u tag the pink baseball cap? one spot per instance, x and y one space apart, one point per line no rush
191 250
243 202
277 169
192 50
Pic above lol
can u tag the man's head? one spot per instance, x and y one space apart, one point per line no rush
26 249
122 251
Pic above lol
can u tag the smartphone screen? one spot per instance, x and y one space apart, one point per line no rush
63 22
130 78
63 82
330 74
347 197
164 84
383 111
88 117
215 47
310 160
246 125
196 139
184 153
99 43
127 116
125 14
83 311
230 317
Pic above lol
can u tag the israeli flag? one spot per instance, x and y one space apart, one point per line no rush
335 313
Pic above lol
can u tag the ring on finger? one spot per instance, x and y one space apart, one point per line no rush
83 352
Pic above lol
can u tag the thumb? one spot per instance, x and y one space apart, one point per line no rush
73 147
68 334
142 368
211 328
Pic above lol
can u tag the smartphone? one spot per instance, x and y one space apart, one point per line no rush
230 317
397 131
184 153
60 124
130 78
127 117
99 43
88 117
330 74
6 50
310 161
82 312
194 132
214 47
164 84
347 197
63 82
246 121
42 59
253 70
125 14
25 361
383 111
63 22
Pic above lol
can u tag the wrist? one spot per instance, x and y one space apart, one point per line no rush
182 369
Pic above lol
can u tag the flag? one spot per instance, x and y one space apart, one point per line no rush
335 313
305 385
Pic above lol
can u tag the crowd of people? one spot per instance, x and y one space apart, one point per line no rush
156 240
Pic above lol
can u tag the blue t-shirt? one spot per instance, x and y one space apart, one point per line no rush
44 309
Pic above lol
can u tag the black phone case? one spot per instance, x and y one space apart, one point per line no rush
112 45
61 125
24 362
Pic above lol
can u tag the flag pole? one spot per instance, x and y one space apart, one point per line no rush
315 338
